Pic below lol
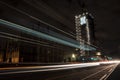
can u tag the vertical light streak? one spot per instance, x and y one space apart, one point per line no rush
88 31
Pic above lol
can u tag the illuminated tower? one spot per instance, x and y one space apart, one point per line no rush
84 30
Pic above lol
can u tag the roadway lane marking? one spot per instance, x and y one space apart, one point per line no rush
95 73
111 71
61 76
103 77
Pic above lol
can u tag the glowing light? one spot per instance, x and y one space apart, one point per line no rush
98 53
110 62
53 67
44 36
48 68
73 55
83 20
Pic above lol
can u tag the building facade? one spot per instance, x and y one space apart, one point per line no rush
20 46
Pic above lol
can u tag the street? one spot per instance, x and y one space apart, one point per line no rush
59 72
115 74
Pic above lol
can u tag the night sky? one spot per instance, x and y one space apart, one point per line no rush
106 15
107 19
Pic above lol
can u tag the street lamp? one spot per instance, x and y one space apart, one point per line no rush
73 56
98 53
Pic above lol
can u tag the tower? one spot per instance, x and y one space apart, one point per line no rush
84 30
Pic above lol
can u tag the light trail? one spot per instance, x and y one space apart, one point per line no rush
110 62
43 36
27 40
47 68
16 36
37 19
53 66
88 31
14 70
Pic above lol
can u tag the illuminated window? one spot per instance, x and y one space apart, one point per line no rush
83 20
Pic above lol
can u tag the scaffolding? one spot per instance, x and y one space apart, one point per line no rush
82 21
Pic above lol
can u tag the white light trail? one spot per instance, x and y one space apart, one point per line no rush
15 70
110 62
88 31
47 68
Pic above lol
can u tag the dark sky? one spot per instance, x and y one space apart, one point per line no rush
106 15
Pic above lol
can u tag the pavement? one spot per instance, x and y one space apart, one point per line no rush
115 75
86 71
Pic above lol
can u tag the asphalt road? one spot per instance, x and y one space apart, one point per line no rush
98 72
115 75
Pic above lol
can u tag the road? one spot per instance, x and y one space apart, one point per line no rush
87 71
115 75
